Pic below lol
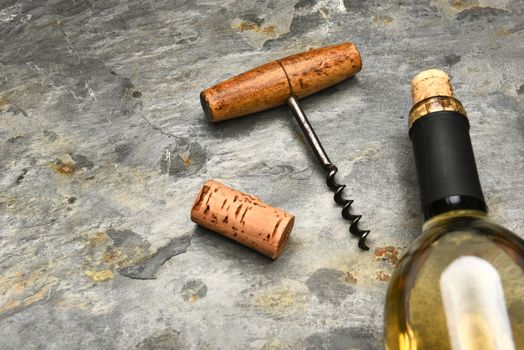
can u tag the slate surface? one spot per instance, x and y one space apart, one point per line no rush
103 146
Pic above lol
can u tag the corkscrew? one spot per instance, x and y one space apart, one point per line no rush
331 169
284 81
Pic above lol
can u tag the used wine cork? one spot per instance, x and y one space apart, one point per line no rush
430 83
243 218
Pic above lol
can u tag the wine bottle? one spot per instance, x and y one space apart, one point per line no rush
460 284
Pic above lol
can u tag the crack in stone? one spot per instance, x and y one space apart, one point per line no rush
70 45
147 269
156 128
148 122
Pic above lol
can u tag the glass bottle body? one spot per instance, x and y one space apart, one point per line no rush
415 313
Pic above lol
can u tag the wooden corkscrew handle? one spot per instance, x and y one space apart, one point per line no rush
271 84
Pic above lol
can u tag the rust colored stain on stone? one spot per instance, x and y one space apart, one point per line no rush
383 276
389 254
268 29
3 101
186 160
350 278
64 168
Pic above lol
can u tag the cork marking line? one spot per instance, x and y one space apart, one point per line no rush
238 210
243 216
276 227
205 189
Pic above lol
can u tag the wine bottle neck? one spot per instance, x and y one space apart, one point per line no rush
446 168
437 220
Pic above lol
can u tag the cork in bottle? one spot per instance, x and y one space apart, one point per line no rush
430 83
431 92
243 218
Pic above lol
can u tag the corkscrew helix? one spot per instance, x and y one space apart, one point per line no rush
332 170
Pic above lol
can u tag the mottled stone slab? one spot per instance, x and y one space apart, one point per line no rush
103 145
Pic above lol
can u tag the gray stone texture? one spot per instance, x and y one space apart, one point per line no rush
104 145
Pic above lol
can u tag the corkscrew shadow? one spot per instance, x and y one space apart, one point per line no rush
409 201
242 126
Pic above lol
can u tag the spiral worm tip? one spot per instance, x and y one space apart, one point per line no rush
346 214
362 244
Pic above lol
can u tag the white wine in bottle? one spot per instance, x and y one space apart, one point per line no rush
460 285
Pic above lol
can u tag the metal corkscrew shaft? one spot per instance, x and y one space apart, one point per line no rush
323 158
